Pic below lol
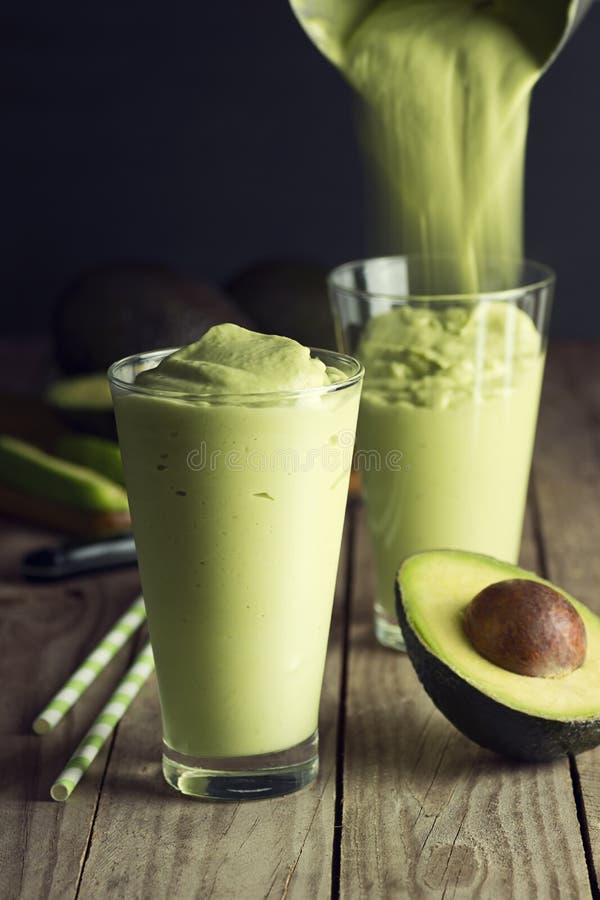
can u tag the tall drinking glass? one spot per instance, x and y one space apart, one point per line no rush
449 407
237 505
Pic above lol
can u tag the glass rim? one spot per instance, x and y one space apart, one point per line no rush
234 398
547 277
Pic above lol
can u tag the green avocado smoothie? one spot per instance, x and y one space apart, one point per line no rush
237 451
446 431
445 86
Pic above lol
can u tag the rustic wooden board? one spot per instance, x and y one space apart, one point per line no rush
427 813
567 484
567 470
148 841
45 631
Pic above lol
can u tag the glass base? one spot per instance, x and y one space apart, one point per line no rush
387 630
243 777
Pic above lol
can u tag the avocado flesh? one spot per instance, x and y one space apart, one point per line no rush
84 403
520 716
99 454
25 468
81 392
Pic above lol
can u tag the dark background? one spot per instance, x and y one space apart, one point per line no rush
208 135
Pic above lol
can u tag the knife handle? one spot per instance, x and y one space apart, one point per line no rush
52 563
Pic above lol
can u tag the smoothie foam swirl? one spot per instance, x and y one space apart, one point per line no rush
229 359
442 358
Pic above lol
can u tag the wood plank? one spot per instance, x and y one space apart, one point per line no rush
567 483
567 469
427 813
45 631
149 841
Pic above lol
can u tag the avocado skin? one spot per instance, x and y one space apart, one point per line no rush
288 297
90 421
79 404
125 307
99 454
489 723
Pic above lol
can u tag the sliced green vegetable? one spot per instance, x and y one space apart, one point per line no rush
96 453
26 468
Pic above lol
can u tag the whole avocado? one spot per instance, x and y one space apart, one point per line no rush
121 308
287 297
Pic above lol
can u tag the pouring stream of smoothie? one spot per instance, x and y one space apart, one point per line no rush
446 87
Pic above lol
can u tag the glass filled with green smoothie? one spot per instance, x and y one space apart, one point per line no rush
237 453
449 406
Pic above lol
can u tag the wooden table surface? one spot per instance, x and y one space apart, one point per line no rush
404 807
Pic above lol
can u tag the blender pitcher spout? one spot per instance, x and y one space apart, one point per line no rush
576 13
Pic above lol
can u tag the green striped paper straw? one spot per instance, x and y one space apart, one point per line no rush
89 670
113 712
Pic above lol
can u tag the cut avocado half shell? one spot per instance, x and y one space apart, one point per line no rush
523 717
97 453
27 469
84 403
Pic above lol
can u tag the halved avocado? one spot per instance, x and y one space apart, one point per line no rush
96 453
28 469
84 403
527 718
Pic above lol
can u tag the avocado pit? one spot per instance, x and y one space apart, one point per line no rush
526 627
